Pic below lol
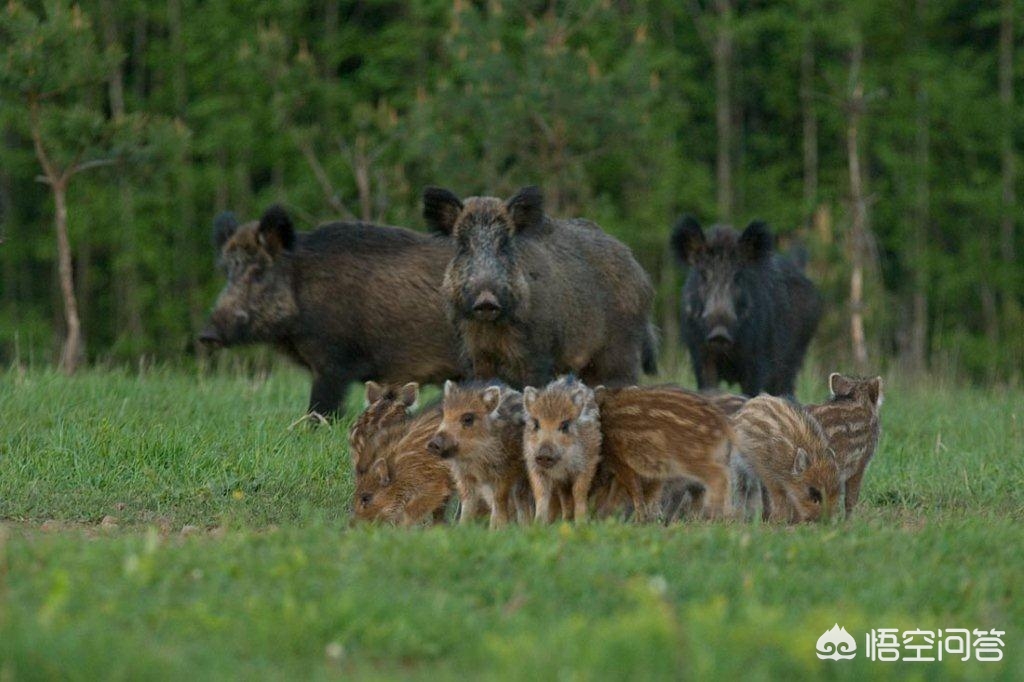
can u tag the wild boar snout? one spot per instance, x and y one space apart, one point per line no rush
486 306
209 336
442 445
546 456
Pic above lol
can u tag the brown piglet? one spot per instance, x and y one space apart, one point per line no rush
561 446
788 451
388 410
481 438
655 434
852 425
405 485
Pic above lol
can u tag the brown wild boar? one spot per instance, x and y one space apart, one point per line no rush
348 301
654 434
384 418
533 297
852 425
562 446
405 485
481 437
788 451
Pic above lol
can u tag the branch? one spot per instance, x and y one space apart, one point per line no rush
321 177
37 141
88 165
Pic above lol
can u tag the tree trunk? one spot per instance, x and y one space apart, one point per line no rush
917 343
722 55
1007 248
810 126
71 354
858 228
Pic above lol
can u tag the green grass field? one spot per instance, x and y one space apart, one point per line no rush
172 525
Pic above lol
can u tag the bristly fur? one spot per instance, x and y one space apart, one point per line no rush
561 446
532 296
788 451
747 313
852 423
349 301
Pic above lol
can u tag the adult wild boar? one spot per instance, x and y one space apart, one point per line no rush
532 296
349 301
748 313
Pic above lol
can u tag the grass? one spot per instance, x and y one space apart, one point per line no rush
100 475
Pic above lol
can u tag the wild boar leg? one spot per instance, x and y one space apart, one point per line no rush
717 492
541 497
581 493
327 396
470 508
499 507
565 500
853 491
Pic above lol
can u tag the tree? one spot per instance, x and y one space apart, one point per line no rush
51 62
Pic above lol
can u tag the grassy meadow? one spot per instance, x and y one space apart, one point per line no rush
174 524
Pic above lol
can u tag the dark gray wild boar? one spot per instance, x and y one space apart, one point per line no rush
532 296
349 301
748 313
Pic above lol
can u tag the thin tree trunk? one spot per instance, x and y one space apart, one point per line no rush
858 232
1007 248
722 56
361 167
71 354
810 126
916 351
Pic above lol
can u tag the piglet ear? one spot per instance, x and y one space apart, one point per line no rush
449 389
441 208
526 208
756 242
492 398
875 391
276 232
839 385
579 397
374 392
409 393
224 225
379 469
529 397
688 240
802 461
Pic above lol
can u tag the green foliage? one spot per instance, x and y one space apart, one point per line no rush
345 109
272 582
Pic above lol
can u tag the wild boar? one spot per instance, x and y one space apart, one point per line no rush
788 452
655 434
349 301
562 446
748 313
852 424
387 411
532 296
481 437
405 485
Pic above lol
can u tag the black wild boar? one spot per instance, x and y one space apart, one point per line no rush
532 296
349 301
748 313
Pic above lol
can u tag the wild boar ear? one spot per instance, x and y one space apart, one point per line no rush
688 239
224 225
441 208
276 232
875 391
409 393
802 461
579 397
839 385
374 392
529 397
526 208
449 388
492 398
379 468
756 242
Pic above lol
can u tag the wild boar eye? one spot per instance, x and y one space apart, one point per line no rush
365 498
814 494
468 419
564 426
536 425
